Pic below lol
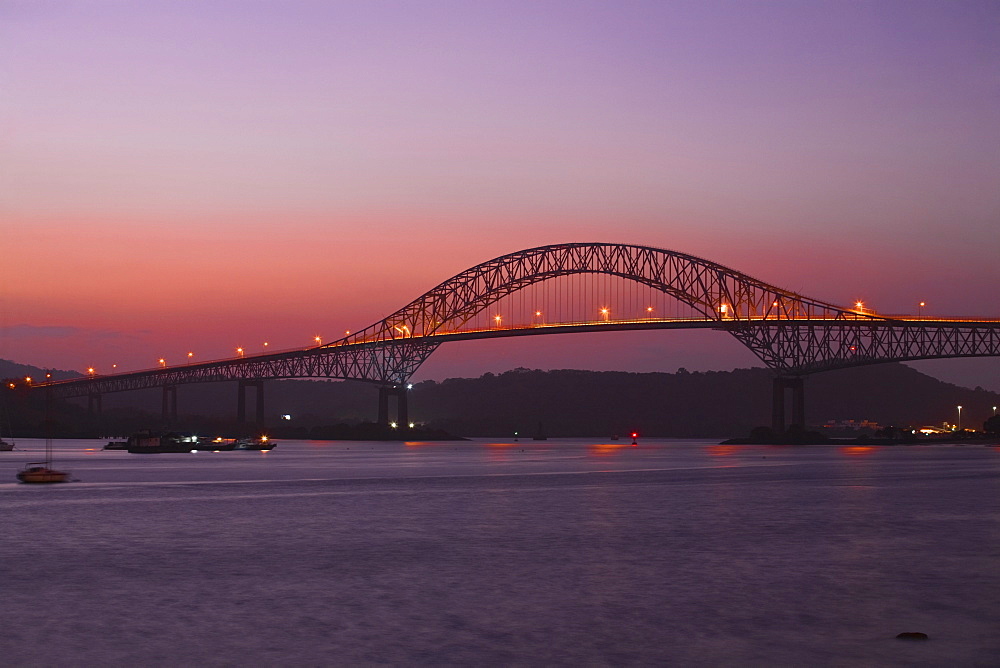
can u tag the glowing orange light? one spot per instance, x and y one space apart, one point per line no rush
723 309
266 344
239 351
114 366
91 370
538 312
10 385
190 355
27 379
163 362
318 339
649 309
774 304
860 306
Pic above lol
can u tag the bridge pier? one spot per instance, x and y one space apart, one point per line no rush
241 401
94 404
402 410
779 386
169 404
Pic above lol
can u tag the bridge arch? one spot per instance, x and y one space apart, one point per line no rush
717 292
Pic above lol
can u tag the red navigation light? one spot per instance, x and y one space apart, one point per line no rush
635 435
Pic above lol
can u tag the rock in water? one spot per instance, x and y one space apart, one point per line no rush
912 635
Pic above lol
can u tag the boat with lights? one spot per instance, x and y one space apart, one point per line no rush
146 442
261 443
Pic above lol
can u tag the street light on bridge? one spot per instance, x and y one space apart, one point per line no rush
920 309
190 355
318 340
91 370
239 352
605 312
498 319
163 362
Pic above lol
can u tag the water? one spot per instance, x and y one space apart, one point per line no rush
563 552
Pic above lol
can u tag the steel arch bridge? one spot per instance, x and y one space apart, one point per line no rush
792 334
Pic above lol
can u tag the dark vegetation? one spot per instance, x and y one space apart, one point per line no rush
565 403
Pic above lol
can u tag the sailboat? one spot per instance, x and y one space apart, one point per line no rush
42 471
36 472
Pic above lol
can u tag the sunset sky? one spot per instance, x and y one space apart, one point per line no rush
194 176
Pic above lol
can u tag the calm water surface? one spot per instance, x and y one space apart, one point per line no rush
563 552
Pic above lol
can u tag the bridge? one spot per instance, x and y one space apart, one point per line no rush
583 287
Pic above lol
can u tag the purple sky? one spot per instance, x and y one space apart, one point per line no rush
190 176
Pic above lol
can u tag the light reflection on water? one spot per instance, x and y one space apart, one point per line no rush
495 552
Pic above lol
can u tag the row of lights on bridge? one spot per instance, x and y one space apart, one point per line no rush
723 309
240 352
604 312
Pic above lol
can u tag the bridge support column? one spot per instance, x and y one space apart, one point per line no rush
383 406
778 405
798 402
798 417
169 404
94 404
402 409
241 401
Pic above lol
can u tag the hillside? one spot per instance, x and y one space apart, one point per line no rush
10 369
572 403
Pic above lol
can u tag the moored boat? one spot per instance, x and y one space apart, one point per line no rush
217 445
146 442
262 443
40 472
